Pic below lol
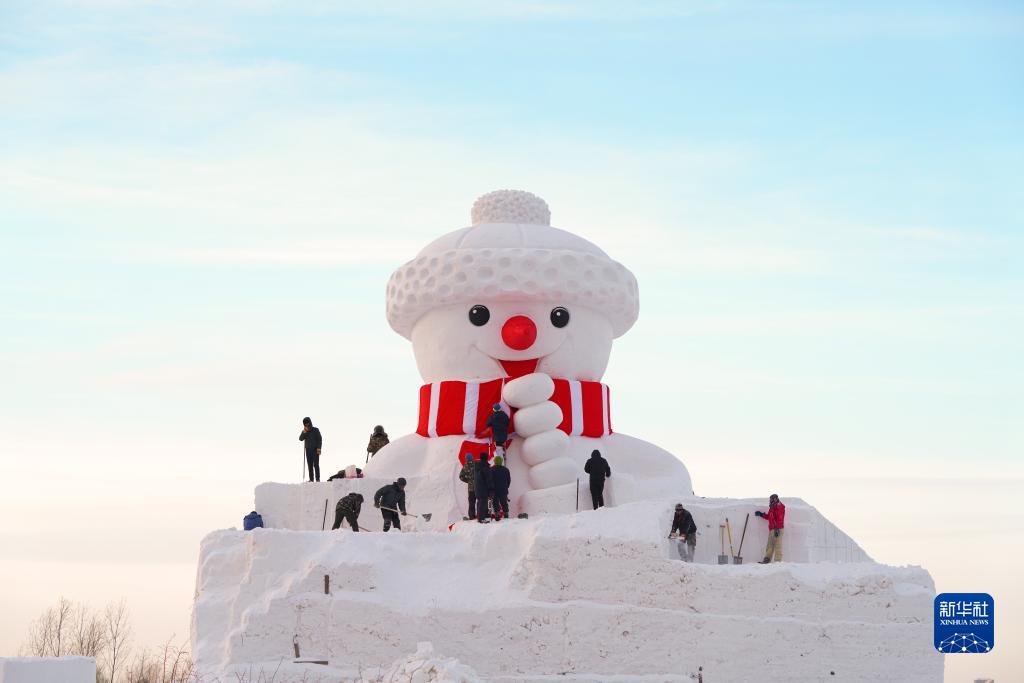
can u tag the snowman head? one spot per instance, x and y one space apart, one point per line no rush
511 295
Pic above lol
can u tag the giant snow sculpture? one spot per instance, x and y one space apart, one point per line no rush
516 311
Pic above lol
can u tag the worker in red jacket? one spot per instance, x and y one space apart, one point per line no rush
776 517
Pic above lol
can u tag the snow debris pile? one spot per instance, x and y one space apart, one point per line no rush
424 666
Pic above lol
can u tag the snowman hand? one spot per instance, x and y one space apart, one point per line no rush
545 447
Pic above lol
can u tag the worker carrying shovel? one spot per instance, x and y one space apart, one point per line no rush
776 517
391 500
684 530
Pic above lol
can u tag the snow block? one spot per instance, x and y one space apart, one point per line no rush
47 670
593 596
810 537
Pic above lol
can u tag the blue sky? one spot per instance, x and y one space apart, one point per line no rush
200 206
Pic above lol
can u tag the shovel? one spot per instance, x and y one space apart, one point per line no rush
426 515
738 558
722 558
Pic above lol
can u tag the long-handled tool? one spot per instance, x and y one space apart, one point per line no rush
728 529
426 515
722 557
323 525
738 557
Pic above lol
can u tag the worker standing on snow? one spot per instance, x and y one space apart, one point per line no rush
484 486
390 498
468 477
378 440
501 479
310 435
599 470
776 517
347 510
684 526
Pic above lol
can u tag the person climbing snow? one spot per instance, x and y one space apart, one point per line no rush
390 498
313 441
484 487
378 440
684 526
501 479
347 510
776 517
599 470
497 425
468 477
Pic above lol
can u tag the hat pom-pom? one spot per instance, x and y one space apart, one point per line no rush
511 206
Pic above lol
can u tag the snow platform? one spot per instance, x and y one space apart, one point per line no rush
47 670
594 596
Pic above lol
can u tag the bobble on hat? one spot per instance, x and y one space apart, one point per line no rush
510 206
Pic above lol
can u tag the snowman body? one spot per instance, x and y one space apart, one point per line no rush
514 311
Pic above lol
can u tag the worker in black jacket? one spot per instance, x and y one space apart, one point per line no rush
347 510
484 488
389 499
502 479
497 425
310 435
599 470
685 530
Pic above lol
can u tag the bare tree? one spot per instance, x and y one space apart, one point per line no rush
88 637
70 628
48 635
171 664
117 632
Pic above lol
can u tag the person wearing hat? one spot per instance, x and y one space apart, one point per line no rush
599 470
347 510
685 530
776 517
497 426
390 498
378 440
502 479
313 441
467 475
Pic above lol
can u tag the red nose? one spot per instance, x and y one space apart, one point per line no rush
519 332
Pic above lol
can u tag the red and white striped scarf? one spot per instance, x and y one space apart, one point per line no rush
461 408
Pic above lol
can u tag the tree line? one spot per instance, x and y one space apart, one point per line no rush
75 628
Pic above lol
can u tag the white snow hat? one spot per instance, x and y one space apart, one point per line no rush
511 253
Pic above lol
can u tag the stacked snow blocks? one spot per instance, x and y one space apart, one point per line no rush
47 670
810 537
592 595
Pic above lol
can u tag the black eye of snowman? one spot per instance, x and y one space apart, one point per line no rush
559 317
479 315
